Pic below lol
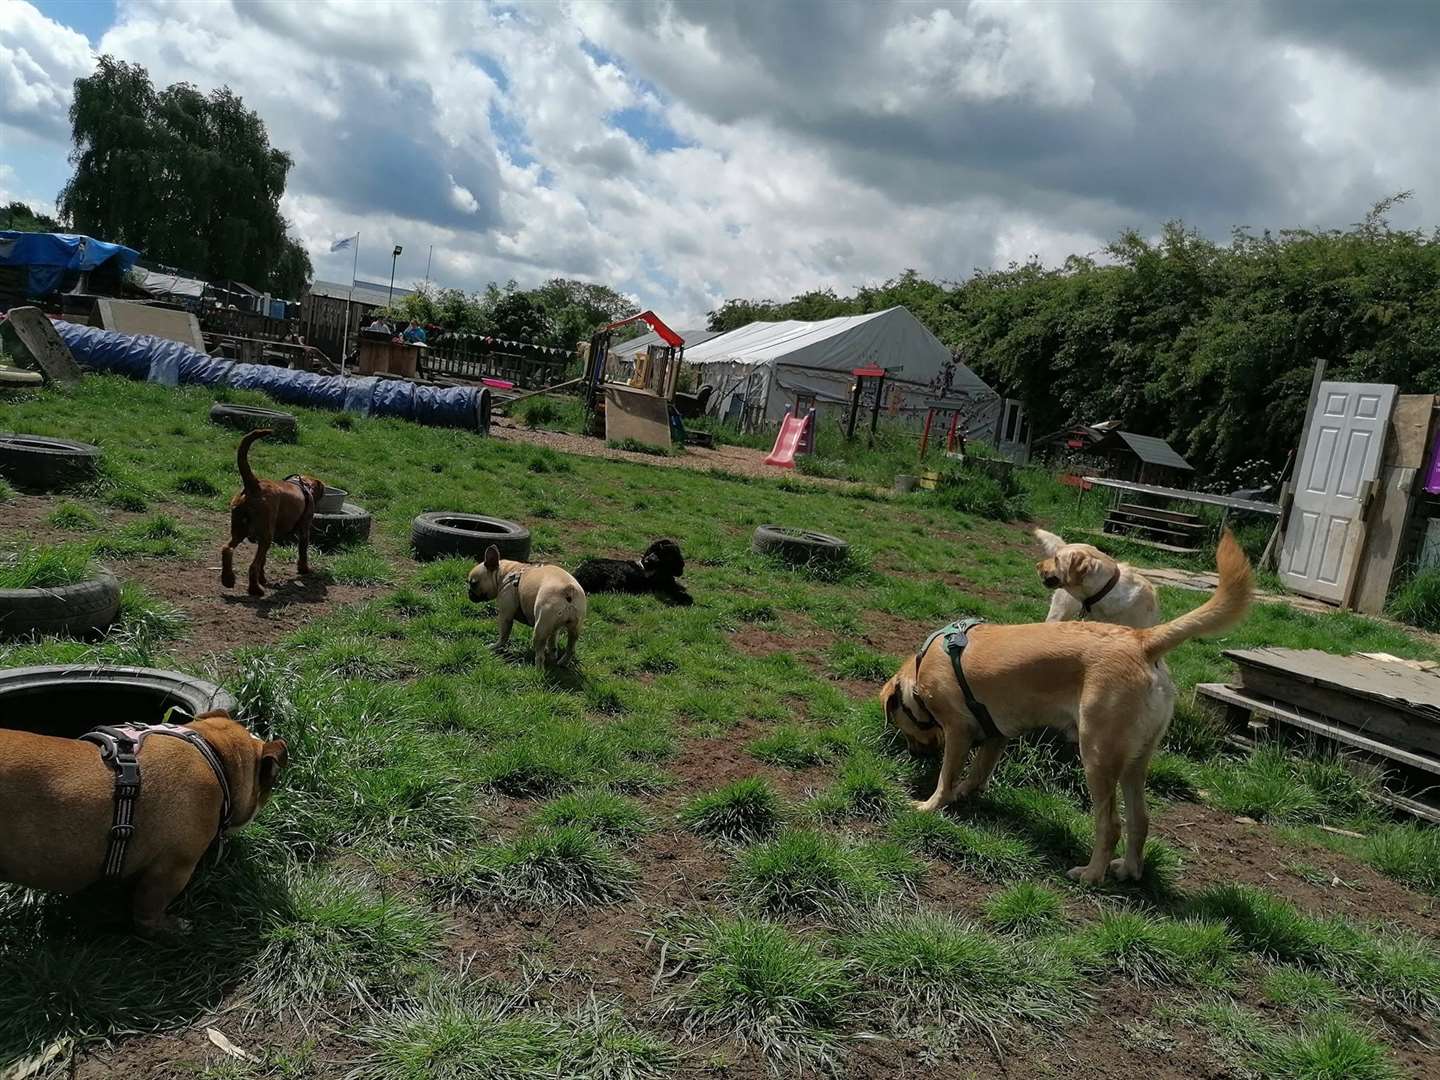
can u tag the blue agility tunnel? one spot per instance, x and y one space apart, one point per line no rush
140 356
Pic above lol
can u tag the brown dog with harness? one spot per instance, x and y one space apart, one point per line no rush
265 511
136 804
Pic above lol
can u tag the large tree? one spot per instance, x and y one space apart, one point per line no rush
189 179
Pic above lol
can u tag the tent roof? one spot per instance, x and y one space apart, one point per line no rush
68 251
892 339
158 284
692 338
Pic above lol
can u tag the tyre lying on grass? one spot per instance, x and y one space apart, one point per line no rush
38 463
67 701
347 526
799 545
249 418
55 591
442 534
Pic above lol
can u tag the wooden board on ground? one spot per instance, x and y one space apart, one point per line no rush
35 334
125 317
636 414
1393 702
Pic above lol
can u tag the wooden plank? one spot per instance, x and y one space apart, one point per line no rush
1384 538
126 317
1317 725
1174 528
636 414
1364 716
1182 495
1399 685
1154 511
1157 545
36 335
1409 436
1118 526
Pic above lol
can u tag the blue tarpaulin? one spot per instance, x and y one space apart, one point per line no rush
140 356
48 256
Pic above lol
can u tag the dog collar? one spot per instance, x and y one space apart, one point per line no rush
1104 592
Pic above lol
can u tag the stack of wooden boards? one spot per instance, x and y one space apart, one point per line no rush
1168 530
1377 707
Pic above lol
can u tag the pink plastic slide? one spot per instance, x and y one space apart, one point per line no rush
792 431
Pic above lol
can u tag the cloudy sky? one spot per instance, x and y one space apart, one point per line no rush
685 151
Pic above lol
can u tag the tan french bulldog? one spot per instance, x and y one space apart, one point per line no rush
545 597
57 805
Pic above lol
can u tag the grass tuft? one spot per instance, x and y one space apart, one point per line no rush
864 789
764 986
794 747
1026 908
936 971
746 810
1333 1050
566 866
360 566
51 567
986 850
1153 949
806 872
73 517
603 812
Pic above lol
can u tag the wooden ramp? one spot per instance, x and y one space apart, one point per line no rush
636 414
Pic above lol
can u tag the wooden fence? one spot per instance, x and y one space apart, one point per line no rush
474 357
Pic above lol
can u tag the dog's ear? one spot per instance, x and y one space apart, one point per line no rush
1049 541
1074 565
492 558
274 756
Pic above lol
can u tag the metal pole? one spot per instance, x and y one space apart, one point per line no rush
875 412
345 335
390 298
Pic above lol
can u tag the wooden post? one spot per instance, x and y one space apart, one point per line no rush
854 409
925 434
875 412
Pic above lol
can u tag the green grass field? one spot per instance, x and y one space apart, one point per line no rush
693 855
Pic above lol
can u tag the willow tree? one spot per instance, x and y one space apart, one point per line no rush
189 179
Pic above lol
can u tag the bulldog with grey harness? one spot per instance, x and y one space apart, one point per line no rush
120 749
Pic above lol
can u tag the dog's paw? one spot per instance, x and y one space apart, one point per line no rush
256 590
1085 875
925 807
227 580
1121 870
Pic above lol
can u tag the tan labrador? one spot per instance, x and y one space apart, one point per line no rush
1089 583
1104 682
544 597
57 801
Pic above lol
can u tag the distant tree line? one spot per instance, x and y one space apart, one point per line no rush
1210 346
558 313
188 179
17 217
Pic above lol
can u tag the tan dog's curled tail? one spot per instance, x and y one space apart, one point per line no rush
242 459
1222 611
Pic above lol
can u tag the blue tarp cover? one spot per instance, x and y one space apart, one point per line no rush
140 356
49 255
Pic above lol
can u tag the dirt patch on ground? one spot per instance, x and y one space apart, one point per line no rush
1219 850
218 620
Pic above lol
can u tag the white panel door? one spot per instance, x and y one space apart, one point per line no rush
1338 466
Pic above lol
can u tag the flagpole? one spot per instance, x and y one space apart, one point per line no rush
345 337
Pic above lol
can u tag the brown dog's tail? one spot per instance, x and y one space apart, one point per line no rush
1222 611
242 458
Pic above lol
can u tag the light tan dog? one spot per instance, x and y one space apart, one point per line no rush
1104 681
265 511
544 597
1089 583
57 804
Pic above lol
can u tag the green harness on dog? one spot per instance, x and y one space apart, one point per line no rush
956 636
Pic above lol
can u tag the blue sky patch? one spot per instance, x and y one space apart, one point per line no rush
91 17
647 126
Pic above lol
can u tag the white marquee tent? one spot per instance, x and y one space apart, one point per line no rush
759 369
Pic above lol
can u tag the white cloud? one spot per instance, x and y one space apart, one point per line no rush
39 61
765 149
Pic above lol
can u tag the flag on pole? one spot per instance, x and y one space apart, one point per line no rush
341 245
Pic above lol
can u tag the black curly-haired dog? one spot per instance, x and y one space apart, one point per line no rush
654 572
